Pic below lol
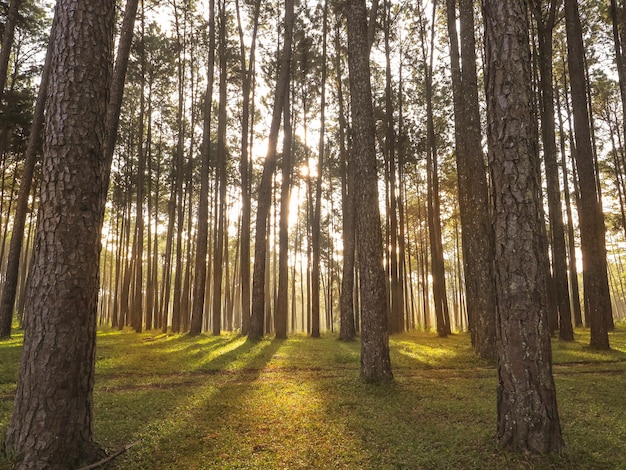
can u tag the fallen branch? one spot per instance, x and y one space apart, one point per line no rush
110 457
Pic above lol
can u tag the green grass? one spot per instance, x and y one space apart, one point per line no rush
221 402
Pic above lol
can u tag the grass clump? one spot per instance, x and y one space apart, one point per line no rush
223 402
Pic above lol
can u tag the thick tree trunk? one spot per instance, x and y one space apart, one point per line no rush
375 362
51 425
528 418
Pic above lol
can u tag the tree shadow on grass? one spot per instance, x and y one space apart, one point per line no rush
182 429
165 355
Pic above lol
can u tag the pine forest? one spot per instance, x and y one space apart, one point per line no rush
357 170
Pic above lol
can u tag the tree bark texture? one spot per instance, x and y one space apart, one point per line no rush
375 362
51 425
527 409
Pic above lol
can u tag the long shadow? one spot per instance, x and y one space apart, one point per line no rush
160 356
227 378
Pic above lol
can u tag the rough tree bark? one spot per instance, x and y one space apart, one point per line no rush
375 362
51 425
528 418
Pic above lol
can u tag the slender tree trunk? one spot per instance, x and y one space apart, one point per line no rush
282 300
477 233
557 231
51 424
396 314
347 329
137 302
375 361
571 245
7 42
592 230
179 196
245 165
221 179
9 291
265 187
528 417
317 212
442 314
203 203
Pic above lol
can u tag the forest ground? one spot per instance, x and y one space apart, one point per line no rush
222 402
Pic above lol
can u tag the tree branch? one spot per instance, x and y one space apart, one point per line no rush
110 457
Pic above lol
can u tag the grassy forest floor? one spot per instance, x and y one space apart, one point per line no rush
221 402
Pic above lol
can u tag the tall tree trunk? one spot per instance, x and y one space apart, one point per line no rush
375 361
592 230
317 212
442 313
571 245
347 329
246 202
477 233
619 36
396 314
137 302
203 203
151 292
9 290
557 231
220 235
58 359
7 42
265 187
528 418
282 299
179 196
